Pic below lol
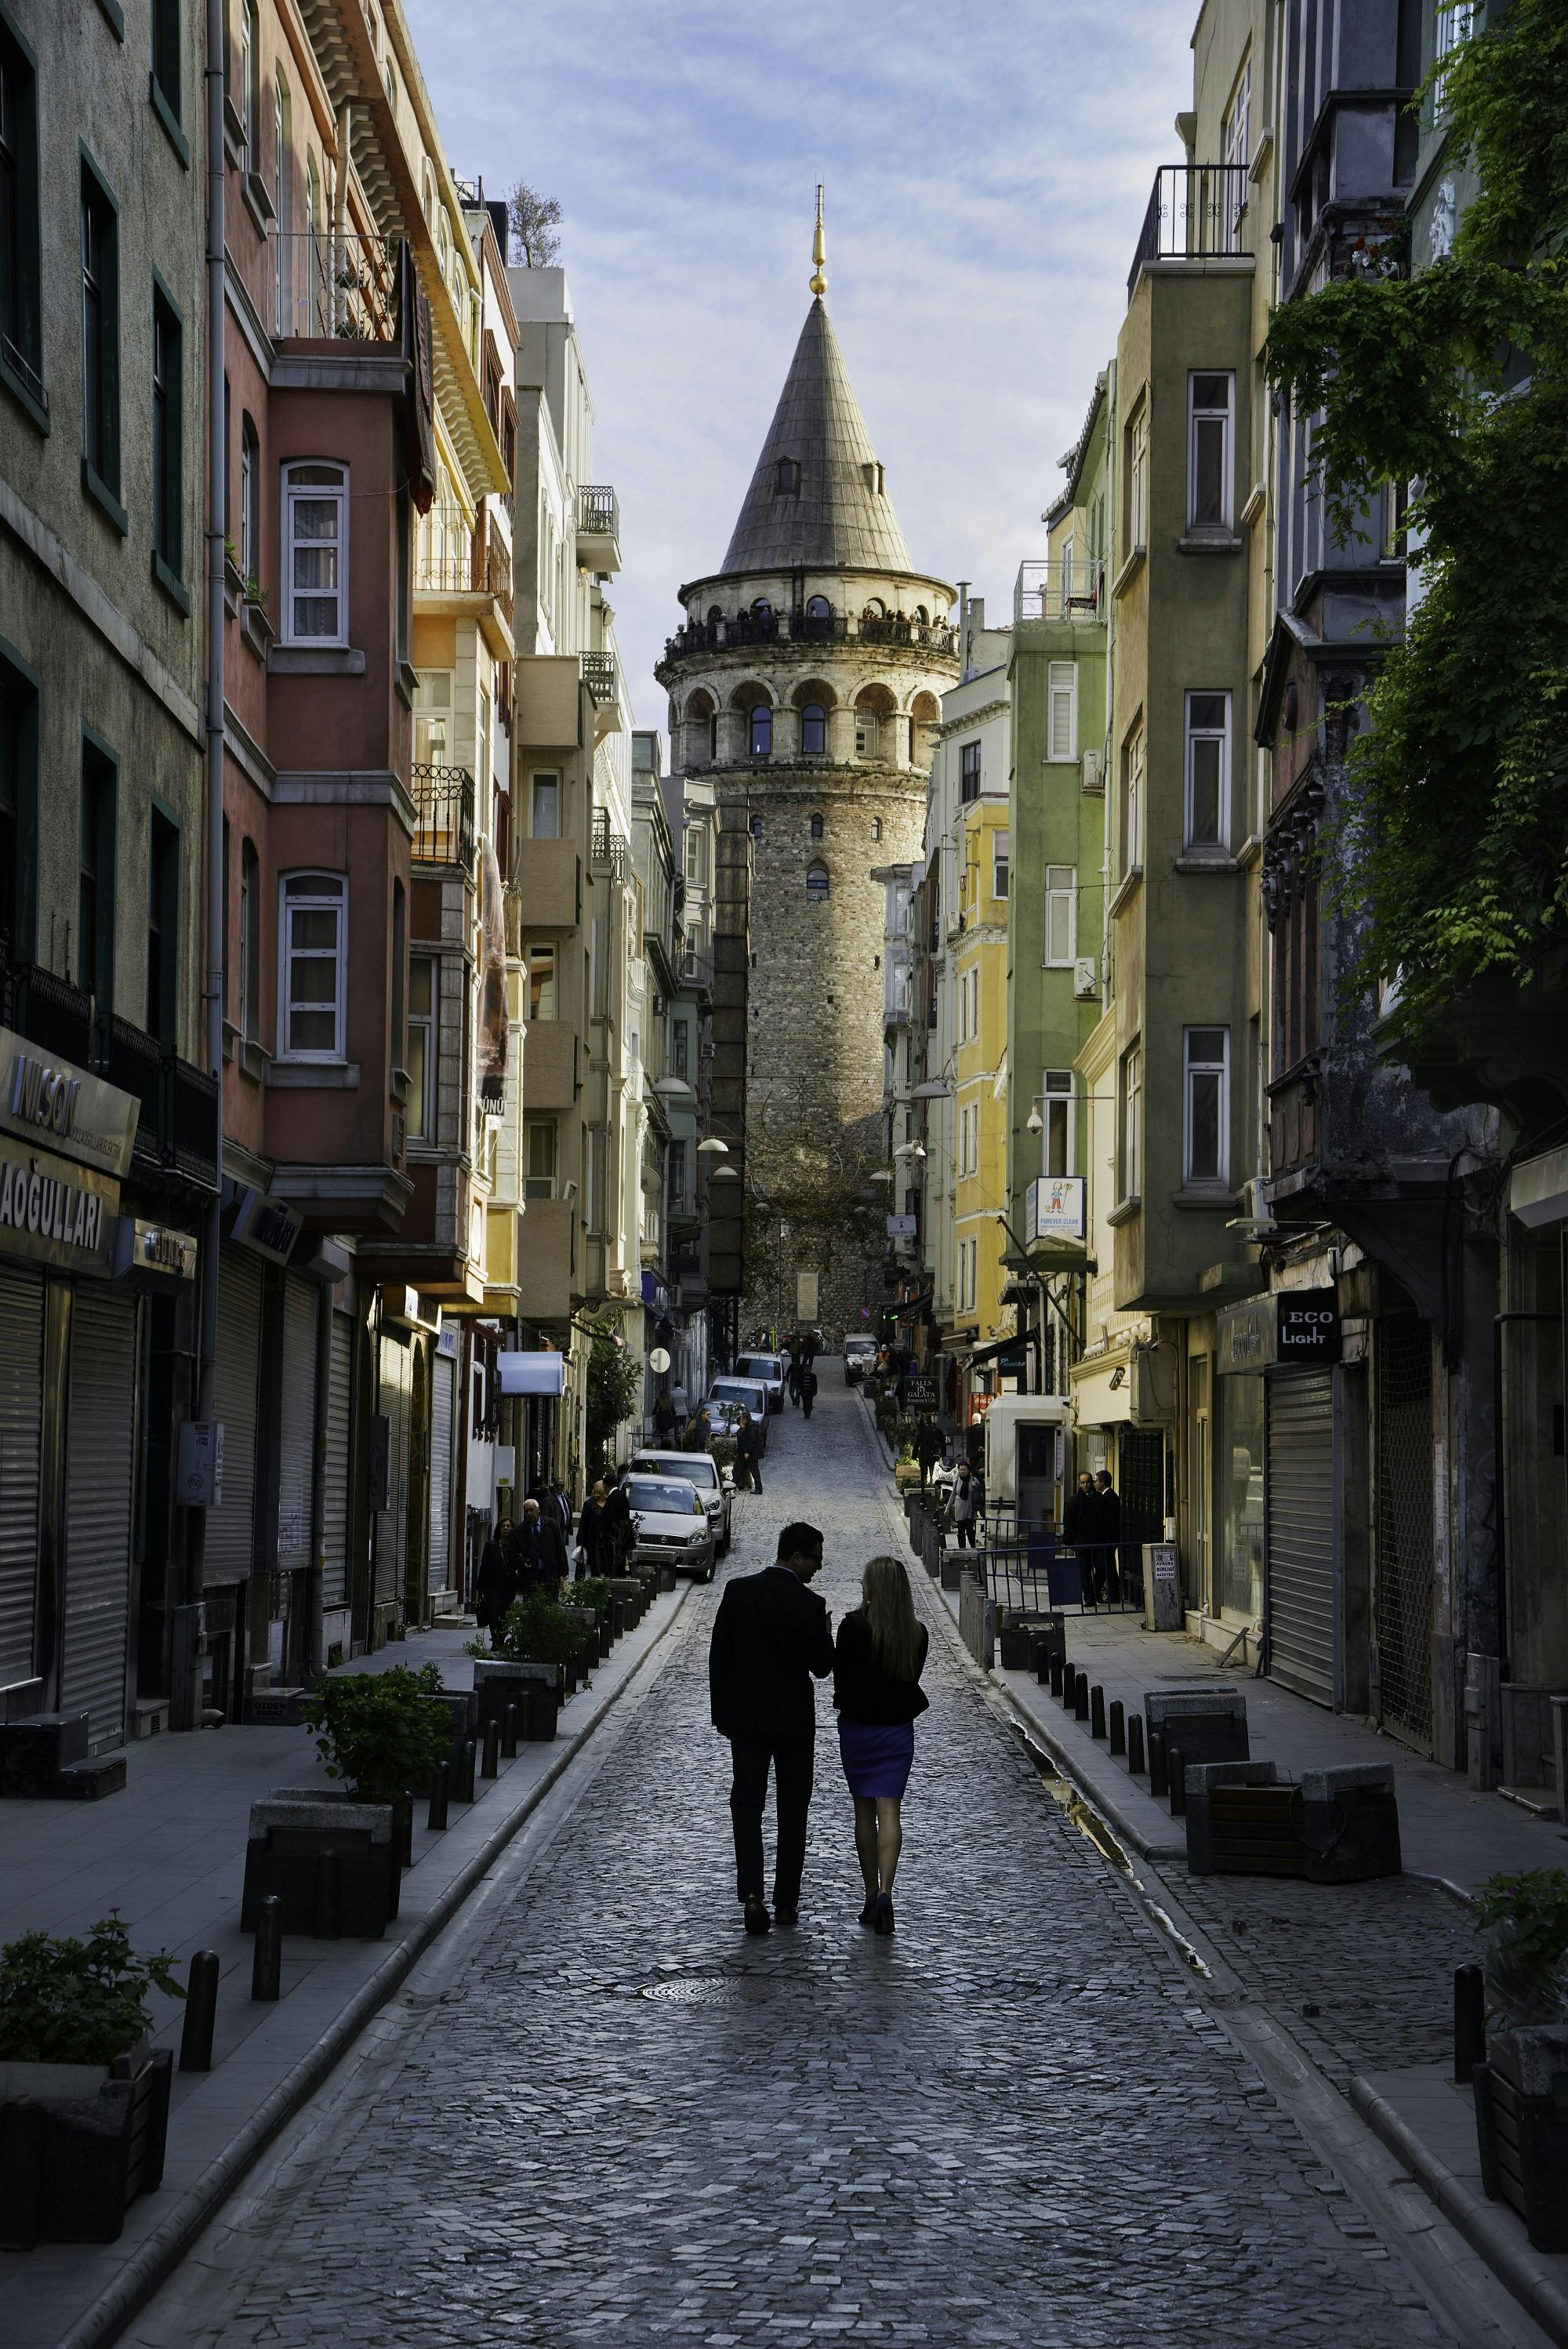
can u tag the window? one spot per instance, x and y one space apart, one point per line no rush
1068 565
676 1173
1211 402
761 731
1206 1124
867 733
1061 916
817 882
816 827
251 82
540 1181
312 957
399 976
542 983
813 730
1062 695
421 1048
1132 1137
100 337
762 613
249 940
487 773
546 807
713 736
788 478
168 441
163 931
1208 772
1455 24
21 322
969 771
696 855
757 827
876 827
817 608
1057 1132
250 502
315 554
433 718
282 243
680 1047
1138 479
1235 131
96 876
1001 855
1132 800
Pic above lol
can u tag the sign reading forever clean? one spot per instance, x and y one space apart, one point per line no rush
48 1100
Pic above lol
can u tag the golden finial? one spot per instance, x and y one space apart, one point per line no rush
819 249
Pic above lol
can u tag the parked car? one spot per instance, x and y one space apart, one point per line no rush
860 1355
737 1392
670 1525
698 1468
769 1370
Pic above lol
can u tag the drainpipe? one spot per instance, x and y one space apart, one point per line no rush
315 1580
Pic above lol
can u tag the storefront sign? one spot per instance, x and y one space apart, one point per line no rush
901 1227
47 1100
151 1253
266 1226
541 1370
1054 1208
1292 1325
54 1213
920 1394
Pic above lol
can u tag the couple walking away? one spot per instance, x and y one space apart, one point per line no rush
772 1637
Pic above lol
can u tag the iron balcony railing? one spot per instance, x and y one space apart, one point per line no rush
1194 214
598 511
444 816
1060 589
454 558
331 285
740 628
599 675
608 849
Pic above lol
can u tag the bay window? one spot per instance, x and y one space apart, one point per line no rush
315 554
312 960
1206 827
1206 1055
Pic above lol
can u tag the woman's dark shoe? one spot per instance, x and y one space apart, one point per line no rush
869 1913
882 1921
758 1920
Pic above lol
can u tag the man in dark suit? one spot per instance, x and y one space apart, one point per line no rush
542 1550
771 1638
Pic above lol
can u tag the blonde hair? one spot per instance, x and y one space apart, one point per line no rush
888 1606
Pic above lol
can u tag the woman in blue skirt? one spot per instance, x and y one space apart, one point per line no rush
878 1659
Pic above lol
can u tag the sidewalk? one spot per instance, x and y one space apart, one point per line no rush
169 1853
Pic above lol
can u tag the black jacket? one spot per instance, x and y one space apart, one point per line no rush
771 1639
1109 1514
1082 1519
861 1690
496 1586
540 1555
749 1441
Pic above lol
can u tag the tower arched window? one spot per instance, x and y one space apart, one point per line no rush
757 827
762 613
713 736
816 827
813 730
817 882
762 731
819 608
788 477
876 827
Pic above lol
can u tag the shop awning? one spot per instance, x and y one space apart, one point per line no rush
1097 1401
1013 1345
541 1372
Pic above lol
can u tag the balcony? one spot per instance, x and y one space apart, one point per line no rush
599 676
549 887
1070 589
598 527
330 287
1194 214
455 559
607 850
698 638
444 817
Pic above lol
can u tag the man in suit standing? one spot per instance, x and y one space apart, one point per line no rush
1110 1528
771 1638
542 1551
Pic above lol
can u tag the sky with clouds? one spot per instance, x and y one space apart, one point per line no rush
986 171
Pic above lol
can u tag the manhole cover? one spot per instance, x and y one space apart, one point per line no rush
714 1990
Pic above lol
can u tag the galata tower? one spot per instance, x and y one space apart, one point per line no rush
805 682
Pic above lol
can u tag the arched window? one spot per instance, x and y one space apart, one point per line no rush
922 615
788 478
817 884
816 827
819 608
762 614
875 609
714 616
761 731
876 827
315 554
713 736
813 730
866 733
757 827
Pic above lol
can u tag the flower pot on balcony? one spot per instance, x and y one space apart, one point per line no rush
79 2142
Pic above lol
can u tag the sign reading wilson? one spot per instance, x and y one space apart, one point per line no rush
48 1100
66 1140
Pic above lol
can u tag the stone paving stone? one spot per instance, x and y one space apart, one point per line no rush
1009 2124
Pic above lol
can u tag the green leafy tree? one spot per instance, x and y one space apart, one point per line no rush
614 1387
535 223
1453 381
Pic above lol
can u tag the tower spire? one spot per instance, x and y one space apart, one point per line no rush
818 251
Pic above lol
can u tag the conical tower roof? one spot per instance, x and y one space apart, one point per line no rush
839 516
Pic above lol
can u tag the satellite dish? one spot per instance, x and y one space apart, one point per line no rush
659 1360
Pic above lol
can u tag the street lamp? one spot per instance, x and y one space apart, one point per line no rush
710 1146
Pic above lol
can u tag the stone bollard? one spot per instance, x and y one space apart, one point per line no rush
1080 1697
1096 1710
201 2012
470 1756
1470 2021
327 1923
440 1795
267 1959
509 1734
403 1828
1135 1746
1176 1771
493 1749
1118 1726
1159 1778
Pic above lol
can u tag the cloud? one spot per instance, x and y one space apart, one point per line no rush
986 174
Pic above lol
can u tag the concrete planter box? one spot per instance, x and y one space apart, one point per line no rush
79 2142
951 1571
1210 1725
291 1829
1522 2129
534 1689
1338 1827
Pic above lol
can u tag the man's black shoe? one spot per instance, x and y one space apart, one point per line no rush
758 1920
785 1914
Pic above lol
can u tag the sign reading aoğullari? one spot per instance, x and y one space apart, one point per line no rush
55 1213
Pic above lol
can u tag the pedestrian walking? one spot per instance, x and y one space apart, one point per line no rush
771 1638
591 1531
1110 1529
927 1449
792 1380
1081 1523
878 1658
617 1531
747 1453
495 1586
666 1417
698 1436
965 1505
543 1554
807 1390
563 1506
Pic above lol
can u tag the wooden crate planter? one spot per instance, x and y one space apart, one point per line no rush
1522 2129
78 2142
291 1830
1338 1827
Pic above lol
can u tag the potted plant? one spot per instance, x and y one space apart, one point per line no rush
89 2096
530 1664
1521 2089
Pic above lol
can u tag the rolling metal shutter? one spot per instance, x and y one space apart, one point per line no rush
100 1459
1404 1602
231 1526
441 1474
21 1431
1298 1508
397 1383
296 1425
339 1423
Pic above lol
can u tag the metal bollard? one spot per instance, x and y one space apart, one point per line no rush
1097 1711
509 1734
267 1960
403 1825
1470 2021
493 1749
1118 1726
1176 1771
1080 1697
1057 1663
201 2012
1135 1746
471 1757
21 2173
440 1795
1069 1683
1158 1775
328 1924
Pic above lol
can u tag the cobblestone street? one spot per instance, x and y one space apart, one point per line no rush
600 2114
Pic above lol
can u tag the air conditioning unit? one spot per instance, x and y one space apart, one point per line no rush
1086 979
1255 1205
1094 772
